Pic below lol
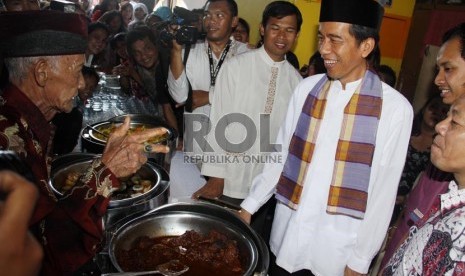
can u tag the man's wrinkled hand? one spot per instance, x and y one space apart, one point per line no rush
124 154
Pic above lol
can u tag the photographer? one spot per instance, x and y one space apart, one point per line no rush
204 60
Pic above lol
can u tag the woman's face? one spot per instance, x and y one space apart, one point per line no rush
97 41
240 33
112 5
435 112
127 12
145 53
139 13
115 24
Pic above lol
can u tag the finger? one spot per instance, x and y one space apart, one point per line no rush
147 134
155 148
123 129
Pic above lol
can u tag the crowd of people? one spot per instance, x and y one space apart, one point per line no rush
346 179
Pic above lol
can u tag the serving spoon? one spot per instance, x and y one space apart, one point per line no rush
171 268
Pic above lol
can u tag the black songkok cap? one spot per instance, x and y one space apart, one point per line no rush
42 33
368 13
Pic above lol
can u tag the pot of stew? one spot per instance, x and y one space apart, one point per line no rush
145 190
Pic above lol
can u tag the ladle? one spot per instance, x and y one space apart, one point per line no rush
171 268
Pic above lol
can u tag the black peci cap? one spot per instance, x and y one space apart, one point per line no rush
368 13
42 33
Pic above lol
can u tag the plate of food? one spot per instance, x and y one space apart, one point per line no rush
101 131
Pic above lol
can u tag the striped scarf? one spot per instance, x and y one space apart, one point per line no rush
352 166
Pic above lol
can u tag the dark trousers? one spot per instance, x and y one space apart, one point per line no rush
275 270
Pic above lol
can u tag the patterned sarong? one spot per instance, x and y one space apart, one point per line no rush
352 166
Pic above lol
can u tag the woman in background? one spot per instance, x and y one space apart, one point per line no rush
418 153
140 12
127 11
106 5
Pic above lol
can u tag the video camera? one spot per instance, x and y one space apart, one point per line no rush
63 5
185 33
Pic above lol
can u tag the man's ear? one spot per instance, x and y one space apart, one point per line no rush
367 46
41 69
235 22
262 30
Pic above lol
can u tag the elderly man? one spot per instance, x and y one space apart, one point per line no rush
436 243
450 80
344 139
45 61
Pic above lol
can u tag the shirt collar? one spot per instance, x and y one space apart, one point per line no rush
268 59
453 199
233 42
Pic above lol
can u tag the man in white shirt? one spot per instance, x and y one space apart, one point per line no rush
257 84
344 141
203 64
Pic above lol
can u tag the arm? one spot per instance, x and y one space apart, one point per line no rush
387 167
199 98
222 105
264 184
20 253
212 189
177 79
170 118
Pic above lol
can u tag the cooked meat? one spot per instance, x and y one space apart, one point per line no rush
204 254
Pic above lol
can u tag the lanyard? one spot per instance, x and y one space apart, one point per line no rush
214 71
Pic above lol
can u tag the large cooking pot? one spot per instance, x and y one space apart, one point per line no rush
176 218
118 209
94 143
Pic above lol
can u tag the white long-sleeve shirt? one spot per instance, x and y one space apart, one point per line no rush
310 238
244 85
197 70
